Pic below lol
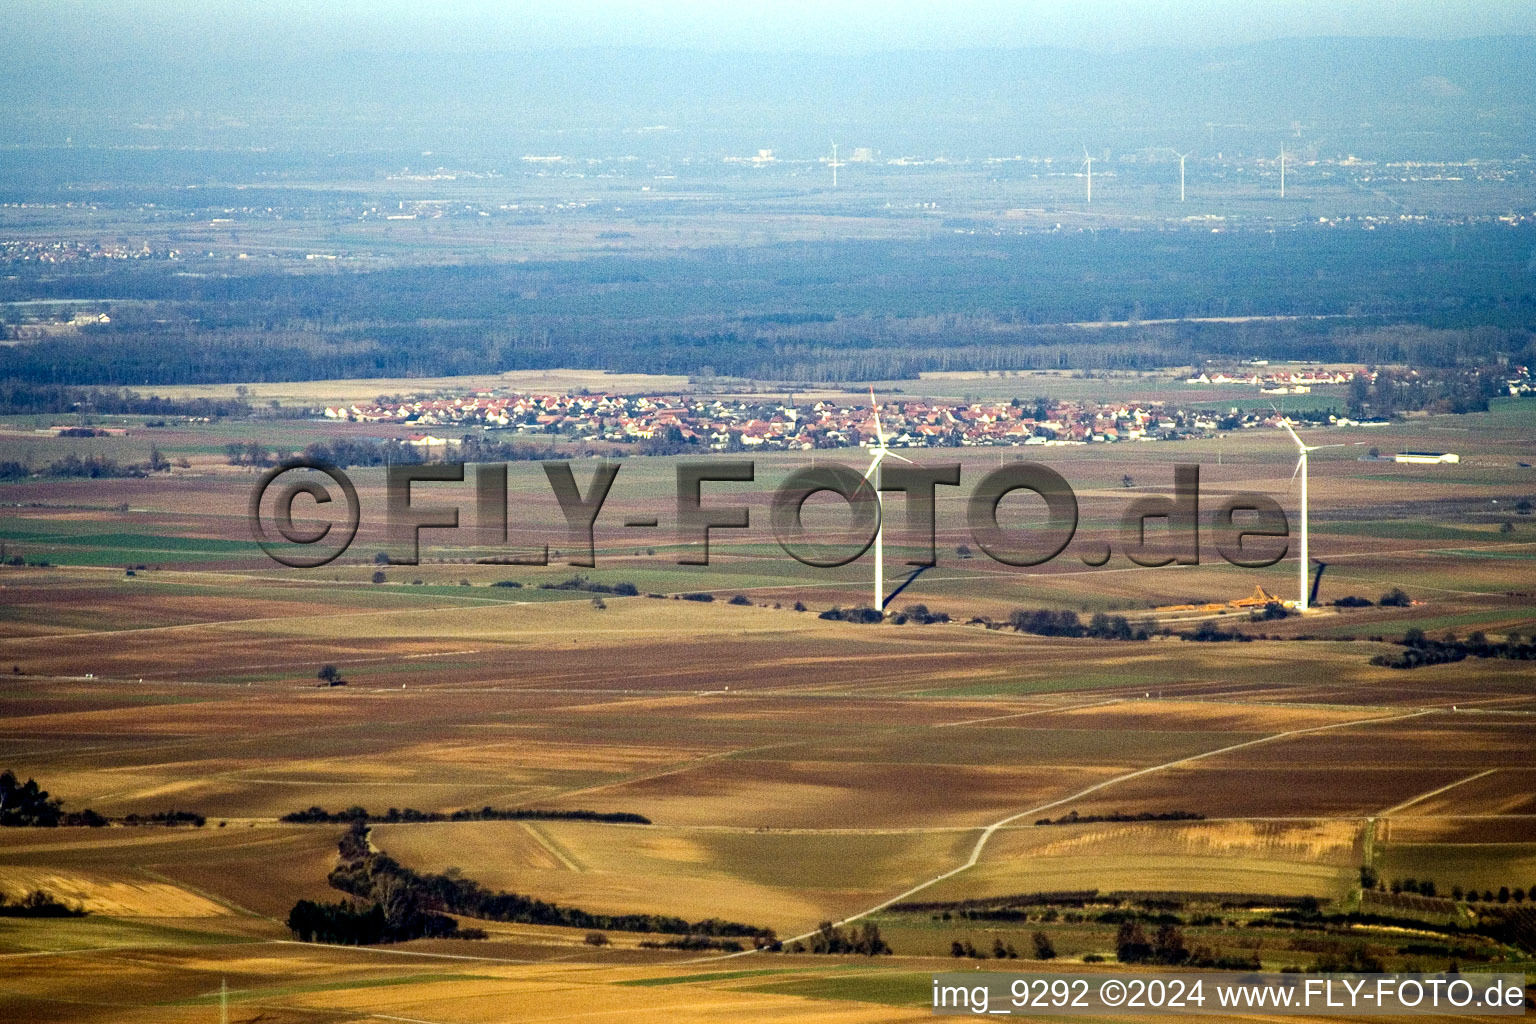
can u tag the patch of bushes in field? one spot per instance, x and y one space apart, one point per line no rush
1419 650
862 614
94 467
1000 949
1044 622
864 940
28 805
38 903
586 585
919 614
167 818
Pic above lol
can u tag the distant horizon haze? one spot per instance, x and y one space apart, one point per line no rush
172 29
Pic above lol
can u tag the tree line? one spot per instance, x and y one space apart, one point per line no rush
1073 818
1370 879
94 467
319 815
816 311
19 397
346 452
1419 650
863 940
1044 622
391 902
38 903
28 805
1453 390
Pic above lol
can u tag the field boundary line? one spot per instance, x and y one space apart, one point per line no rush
548 846
1027 714
1435 792
406 952
139 945
229 905
990 830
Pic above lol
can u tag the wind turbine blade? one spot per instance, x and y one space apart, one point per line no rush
874 408
1297 470
903 458
1286 423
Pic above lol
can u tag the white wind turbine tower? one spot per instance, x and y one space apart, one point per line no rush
1282 172
835 164
1301 468
1088 163
1181 157
872 474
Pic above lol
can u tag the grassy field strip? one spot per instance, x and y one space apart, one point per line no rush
991 829
135 945
796 830
236 773
229 905
139 631
269 577
408 952
339 661
551 847
1027 714
887 830
1375 582
674 769
1434 792
1422 552
722 755
1463 709
1419 552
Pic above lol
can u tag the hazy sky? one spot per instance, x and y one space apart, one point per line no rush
169 27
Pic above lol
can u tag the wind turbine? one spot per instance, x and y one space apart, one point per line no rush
1181 157
1282 172
1301 469
1088 163
835 165
872 474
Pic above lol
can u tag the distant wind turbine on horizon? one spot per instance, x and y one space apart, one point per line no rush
1181 157
1088 163
835 164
